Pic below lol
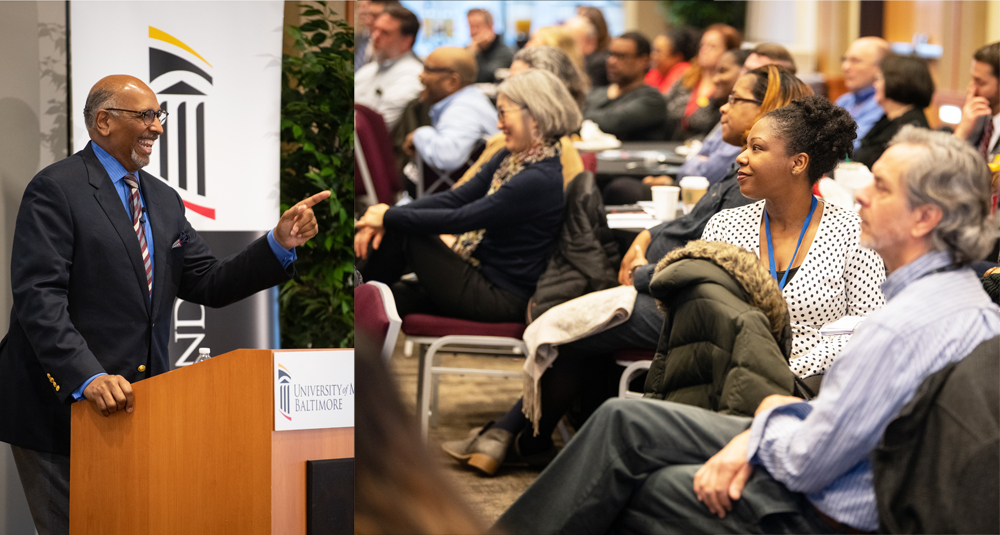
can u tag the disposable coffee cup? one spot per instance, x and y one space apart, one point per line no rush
665 202
853 175
692 189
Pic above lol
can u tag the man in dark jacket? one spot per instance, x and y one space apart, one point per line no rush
491 53
101 250
628 108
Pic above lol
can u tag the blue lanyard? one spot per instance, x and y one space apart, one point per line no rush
770 246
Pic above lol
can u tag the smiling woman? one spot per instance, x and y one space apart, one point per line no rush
811 248
502 221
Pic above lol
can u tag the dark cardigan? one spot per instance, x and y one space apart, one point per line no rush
877 140
521 219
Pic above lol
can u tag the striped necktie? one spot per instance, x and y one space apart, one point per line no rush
984 144
140 228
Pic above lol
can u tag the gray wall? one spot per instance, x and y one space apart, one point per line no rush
32 135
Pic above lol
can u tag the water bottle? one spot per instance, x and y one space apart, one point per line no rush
203 354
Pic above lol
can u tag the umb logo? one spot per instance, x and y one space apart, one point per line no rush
179 73
284 392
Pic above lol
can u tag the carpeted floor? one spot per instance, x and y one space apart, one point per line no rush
467 402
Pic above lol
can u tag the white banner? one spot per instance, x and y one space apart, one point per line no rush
313 389
216 69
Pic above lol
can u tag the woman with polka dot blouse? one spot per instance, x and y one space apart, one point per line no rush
809 245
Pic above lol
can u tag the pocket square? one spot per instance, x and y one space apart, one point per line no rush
181 240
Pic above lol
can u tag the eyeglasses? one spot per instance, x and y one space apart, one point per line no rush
620 56
146 116
502 112
437 70
734 99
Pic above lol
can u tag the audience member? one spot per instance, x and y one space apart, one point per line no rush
389 82
596 56
980 123
581 363
368 11
671 55
460 114
903 88
714 159
489 48
505 219
860 64
546 58
558 37
628 108
398 485
690 110
768 53
636 466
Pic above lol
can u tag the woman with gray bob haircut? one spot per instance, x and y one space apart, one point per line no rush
545 99
479 249
951 175
550 58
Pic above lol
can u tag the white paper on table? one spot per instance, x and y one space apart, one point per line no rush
844 325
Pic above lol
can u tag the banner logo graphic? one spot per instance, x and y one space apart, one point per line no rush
187 85
284 389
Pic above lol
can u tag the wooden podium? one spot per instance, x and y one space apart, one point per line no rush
198 455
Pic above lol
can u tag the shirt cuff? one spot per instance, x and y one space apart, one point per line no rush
641 277
759 425
422 137
78 393
285 256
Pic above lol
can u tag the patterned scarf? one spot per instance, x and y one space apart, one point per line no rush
512 164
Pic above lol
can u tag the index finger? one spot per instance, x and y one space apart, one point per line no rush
129 396
314 200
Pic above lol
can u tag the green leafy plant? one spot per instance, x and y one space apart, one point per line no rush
700 14
317 153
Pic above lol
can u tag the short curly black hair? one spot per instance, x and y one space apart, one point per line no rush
817 127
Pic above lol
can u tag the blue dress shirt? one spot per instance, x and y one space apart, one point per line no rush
458 121
714 160
823 447
865 110
116 171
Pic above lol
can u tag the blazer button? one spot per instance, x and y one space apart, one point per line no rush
142 367
57 388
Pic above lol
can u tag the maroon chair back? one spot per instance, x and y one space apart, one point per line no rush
369 313
377 146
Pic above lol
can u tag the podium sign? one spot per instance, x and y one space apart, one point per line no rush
313 390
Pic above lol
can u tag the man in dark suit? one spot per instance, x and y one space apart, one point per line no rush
100 251
980 123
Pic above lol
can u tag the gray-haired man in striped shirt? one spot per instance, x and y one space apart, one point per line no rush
642 466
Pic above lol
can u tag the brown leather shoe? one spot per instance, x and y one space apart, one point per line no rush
484 449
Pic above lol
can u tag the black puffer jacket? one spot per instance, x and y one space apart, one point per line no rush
585 258
726 339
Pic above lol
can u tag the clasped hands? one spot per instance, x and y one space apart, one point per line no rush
719 482
369 229
634 257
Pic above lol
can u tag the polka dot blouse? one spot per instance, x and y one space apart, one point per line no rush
837 278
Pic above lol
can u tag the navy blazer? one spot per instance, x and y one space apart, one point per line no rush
81 302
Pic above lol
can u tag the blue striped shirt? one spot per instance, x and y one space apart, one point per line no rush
823 447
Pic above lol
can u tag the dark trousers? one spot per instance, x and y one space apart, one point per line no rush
583 369
45 480
631 469
447 285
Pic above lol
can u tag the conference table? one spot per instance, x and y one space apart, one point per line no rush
639 159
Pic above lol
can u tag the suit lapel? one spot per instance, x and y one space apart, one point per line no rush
111 203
